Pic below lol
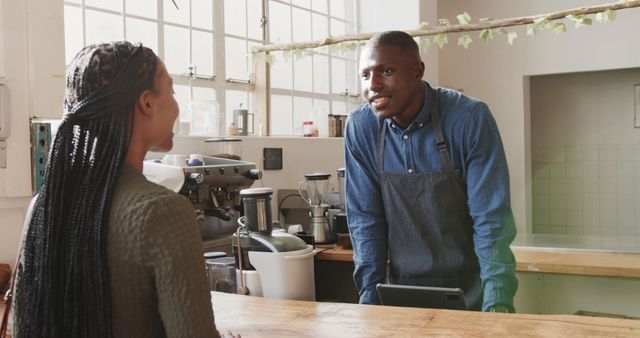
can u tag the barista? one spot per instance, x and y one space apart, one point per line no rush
427 183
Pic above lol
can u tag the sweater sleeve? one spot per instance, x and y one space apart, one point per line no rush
171 246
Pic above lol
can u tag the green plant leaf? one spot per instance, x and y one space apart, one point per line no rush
424 44
268 59
441 40
464 40
486 35
308 52
464 19
500 30
297 53
443 22
606 16
540 23
286 55
485 20
580 20
559 27
511 36
423 25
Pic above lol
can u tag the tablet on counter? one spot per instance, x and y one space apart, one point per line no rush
421 296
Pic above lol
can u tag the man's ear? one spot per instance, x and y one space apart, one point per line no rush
419 70
146 103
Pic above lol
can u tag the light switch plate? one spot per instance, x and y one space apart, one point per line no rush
3 154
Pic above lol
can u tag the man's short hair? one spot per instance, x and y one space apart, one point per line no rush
394 38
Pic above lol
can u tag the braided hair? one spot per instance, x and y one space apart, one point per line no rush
63 287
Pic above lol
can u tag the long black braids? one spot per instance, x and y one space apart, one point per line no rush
63 287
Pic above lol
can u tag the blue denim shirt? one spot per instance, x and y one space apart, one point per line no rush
478 156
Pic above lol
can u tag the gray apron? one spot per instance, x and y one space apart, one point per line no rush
430 229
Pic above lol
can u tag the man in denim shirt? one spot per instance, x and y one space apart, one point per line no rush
427 185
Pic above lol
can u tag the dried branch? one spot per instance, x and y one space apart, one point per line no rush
491 24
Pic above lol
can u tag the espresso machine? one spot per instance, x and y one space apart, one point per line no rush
213 186
314 189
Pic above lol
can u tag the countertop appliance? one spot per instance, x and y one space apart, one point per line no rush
212 184
314 189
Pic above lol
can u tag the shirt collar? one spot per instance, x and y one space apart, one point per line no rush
420 120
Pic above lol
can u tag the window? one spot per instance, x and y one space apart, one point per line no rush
206 46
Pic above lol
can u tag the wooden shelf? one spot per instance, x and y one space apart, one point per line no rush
530 259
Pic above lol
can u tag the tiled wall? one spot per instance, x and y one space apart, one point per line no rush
585 154
587 190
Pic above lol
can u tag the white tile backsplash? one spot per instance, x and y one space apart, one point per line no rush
595 190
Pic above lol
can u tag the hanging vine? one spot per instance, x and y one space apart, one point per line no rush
487 27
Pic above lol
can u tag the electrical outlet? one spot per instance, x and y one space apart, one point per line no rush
272 158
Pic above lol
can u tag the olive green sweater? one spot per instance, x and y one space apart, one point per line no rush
158 279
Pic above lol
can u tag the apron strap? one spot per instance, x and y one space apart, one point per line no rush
441 143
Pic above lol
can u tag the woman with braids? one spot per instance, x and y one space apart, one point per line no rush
105 252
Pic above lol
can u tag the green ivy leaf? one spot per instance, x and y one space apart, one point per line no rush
298 54
464 40
580 20
606 16
511 36
443 22
464 19
441 40
286 55
424 44
485 20
423 25
268 59
558 28
308 52
500 30
486 35
351 46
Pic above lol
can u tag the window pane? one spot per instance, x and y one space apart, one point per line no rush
303 75
320 27
235 58
337 27
202 53
320 74
279 22
103 27
204 93
250 45
319 5
303 3
235 20
338 83
105 4
303 111
352 77
280 117
146 8
74 1
233 100
350 10
182 96
202 14
337 8
176 49
339 108
143 31
302 24
179 16
321 108
281 72
72 32
254 14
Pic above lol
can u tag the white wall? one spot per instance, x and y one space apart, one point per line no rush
32 62
495 73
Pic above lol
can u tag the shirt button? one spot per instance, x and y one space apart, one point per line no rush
420 125
410 171
406 136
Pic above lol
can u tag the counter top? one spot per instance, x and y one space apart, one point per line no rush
548 260
261 317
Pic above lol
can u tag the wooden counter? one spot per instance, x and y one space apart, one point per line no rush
260 317
531 259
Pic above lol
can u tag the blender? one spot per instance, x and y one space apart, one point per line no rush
316 188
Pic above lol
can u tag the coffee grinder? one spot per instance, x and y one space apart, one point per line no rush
316 188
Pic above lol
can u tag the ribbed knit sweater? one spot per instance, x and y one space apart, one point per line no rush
158 280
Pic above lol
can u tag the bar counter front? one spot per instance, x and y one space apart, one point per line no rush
251 316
